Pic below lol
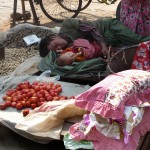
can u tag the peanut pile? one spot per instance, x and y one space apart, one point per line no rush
16 50
14 57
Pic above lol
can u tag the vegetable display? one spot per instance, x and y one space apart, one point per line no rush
31 95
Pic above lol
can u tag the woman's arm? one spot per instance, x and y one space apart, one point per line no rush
90 32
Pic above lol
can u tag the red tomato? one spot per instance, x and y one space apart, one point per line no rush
29 94
62 98
32 90
26 82
49 98
56 98
14 99
51 84
52 93
53 87
30 86
18 86
58 85
25 99
35 83
59 89
8 103
9 98
41 99
13 104
25 112
65 97
20 97
28 103
14 94
71 97
25 91
3 106
34 95
44 87
19 106
39 95
4 97
46 92
56 94
23 86
39 103
33 100
46 95
33 106
48 87
42 92
37 88
24 104
8 93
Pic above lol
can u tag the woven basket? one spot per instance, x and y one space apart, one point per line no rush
121 60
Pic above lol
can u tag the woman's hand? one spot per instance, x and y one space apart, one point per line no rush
104 49
58 52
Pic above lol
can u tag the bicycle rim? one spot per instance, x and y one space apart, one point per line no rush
85 4
65 4
56 12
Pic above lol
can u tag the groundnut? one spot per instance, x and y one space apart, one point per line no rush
14 57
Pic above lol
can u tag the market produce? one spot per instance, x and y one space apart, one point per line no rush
32 95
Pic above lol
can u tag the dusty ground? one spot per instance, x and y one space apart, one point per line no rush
94 11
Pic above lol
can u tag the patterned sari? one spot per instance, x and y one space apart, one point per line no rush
135 14
142 57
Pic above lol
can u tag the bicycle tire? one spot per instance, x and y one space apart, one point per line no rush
118 11
64 4
85 4
110 1
56 12
100 1
105 2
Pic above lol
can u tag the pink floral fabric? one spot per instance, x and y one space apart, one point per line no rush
142 57
109 97
135 14
127 86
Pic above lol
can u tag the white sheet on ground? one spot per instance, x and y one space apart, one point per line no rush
44 123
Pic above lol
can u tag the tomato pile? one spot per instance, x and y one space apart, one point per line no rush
32 95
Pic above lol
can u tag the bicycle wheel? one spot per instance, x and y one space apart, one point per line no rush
66 3
56 12
118 11
107 2
85 4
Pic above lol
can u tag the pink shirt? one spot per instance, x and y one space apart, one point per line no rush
90 50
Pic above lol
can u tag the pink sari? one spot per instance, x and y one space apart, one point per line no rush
135 14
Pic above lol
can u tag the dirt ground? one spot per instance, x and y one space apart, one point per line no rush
94 11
